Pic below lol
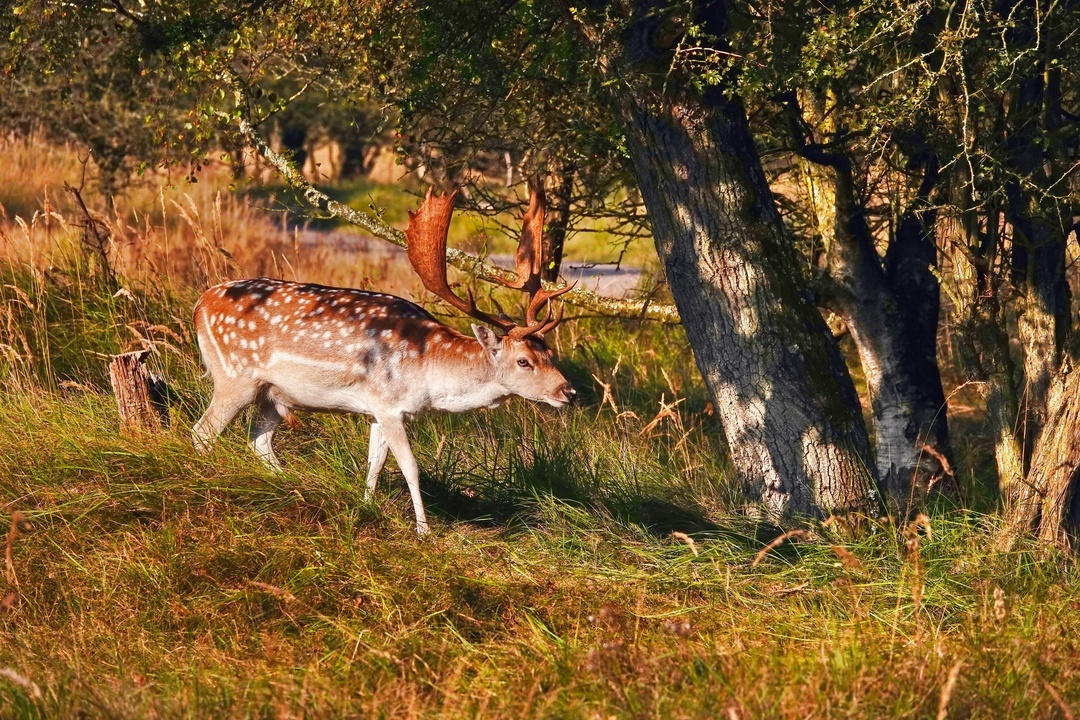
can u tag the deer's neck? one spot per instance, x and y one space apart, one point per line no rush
466 379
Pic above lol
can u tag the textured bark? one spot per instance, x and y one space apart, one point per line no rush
909 271
137 393
781 389
1055 466
1002 404
1043 309
1038 254
1045 502
984 344
778 382
892 314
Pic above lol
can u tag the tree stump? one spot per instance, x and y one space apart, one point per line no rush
138 393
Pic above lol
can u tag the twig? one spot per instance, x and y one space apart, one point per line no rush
92 229
947 691
1059 701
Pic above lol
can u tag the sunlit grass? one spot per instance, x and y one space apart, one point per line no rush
591 562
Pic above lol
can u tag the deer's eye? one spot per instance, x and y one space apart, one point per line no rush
522 362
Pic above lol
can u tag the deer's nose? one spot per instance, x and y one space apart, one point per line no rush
568 391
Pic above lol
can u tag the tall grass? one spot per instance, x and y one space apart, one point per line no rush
584 563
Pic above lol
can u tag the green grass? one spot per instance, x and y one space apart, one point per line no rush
147 581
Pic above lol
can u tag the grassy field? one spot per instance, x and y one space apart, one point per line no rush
588 563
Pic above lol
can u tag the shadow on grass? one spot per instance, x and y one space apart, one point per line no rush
660 517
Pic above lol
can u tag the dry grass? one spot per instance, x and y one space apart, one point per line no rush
171 232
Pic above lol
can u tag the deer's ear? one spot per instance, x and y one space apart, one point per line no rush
487 339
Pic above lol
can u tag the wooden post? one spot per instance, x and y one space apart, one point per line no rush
138 393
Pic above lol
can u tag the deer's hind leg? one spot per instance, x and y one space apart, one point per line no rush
229 399
268 415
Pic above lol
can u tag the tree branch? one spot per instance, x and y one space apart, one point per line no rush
473 266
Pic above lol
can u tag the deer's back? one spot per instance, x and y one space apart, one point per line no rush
322 347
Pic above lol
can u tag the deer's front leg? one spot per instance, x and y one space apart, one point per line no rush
376 457
393 431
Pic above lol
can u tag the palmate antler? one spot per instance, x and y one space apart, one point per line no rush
427 231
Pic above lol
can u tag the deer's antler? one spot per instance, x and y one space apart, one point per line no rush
427 231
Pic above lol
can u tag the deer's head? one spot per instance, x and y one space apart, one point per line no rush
520 358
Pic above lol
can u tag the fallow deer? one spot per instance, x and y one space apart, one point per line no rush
284 345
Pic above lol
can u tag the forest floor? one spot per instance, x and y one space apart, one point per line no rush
592 562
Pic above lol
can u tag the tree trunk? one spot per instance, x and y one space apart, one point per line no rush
990 343
781 389
893 320
779 384
1043 309
1055 466
909 271
138 393
892 314
1046 501
558 219
1038 247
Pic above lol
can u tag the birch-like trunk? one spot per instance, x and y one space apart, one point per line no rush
892 313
